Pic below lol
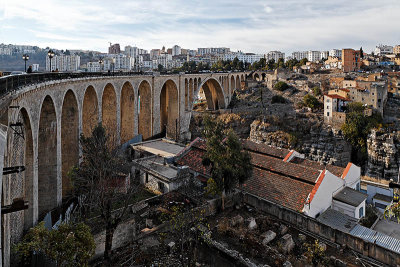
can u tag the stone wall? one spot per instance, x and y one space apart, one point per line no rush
383 156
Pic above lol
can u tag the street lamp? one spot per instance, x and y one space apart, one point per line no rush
100 62
25 57
51 55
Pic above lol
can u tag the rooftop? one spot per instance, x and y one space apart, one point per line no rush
383 198
336 170
162 147
156 166
337 220
350 196
265 149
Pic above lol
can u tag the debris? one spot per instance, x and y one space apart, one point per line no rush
268 237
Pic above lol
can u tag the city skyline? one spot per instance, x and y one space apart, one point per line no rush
253 26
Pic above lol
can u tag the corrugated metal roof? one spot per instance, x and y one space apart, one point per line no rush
380 239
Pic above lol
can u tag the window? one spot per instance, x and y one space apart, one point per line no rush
147 178
361 212
327 114
161 187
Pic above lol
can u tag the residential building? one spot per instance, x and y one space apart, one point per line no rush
213 51
373 95
396 50
176 50
154 53
314 56
333 63
382 50
114 49
118 62
93 66
134 51
63 63
336 53
300 55
163 59
335 103
244 57
324 54
351 60
275 55
350 202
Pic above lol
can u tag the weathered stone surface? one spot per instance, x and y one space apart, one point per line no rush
283 229
268 237
287 243
302 237
252 224
287 264
237 220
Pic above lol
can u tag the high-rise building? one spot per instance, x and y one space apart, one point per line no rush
382 50
299 55
275 55
314 56
114 49
351 60
336 53
244 57
63 63
213 51
176 50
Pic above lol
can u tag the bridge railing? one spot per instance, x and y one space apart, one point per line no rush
14 82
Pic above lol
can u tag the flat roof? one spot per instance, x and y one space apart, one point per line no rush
156 165
161 147
350 196
337 220
384 198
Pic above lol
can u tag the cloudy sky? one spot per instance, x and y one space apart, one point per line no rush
248 25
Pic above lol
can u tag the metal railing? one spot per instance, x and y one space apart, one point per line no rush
11 83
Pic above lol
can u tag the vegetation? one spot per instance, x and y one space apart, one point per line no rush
315 253
370 217
357 128
393 210
311 101
230 165
69 245
317 91
278 99
281 86
99 182
227 65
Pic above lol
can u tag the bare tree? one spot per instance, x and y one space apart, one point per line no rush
100 182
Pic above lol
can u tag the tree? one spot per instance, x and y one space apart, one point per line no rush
281 86
271 64
278 99
230 164
311 101
99 182
303 62
317 91
160 67
361 53
69 245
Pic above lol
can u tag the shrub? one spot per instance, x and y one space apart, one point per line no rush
281 86
317 91
278 99
311 101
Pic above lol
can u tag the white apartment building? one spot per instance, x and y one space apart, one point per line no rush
63 63
93 66
275 55
117 62
134 51
336 53
299 55
213 51
314 56
382 50
244 57
163 59
6 51
176 50
324 54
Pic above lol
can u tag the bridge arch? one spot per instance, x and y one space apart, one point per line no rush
144 109
47 157
237 82
242 78
232 87
169 109
109 111
213 93
263 75
90 113
127 109
256 77
186 94
69 139
28 162
190 93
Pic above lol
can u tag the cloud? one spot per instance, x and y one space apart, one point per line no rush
252 26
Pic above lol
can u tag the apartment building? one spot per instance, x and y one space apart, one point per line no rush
351 60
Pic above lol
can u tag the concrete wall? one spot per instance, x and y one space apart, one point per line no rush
3 145
301 221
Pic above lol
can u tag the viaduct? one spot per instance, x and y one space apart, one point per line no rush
46 118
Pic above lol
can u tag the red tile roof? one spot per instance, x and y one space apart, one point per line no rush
316 186
346 170
295 171
194 160
335 96
288 156
265 149
277 188
336 170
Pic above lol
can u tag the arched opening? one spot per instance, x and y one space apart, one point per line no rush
212 92
186 95
109 111
256 77
169 110
47 157
127 112
232 87
242 78
90 115
28 173
237 82
190 93
69 139
263 75
144 103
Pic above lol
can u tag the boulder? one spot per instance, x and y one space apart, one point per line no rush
283 229
236 220
302 237
252 224
287 264
287 243
268 237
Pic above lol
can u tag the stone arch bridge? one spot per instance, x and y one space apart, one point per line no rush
52 114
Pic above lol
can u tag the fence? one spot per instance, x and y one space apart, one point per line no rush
309 224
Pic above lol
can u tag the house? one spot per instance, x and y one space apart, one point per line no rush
282 176
350 202
335 102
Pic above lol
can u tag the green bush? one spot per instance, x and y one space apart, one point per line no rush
278 99
317 91
311 101
281 86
